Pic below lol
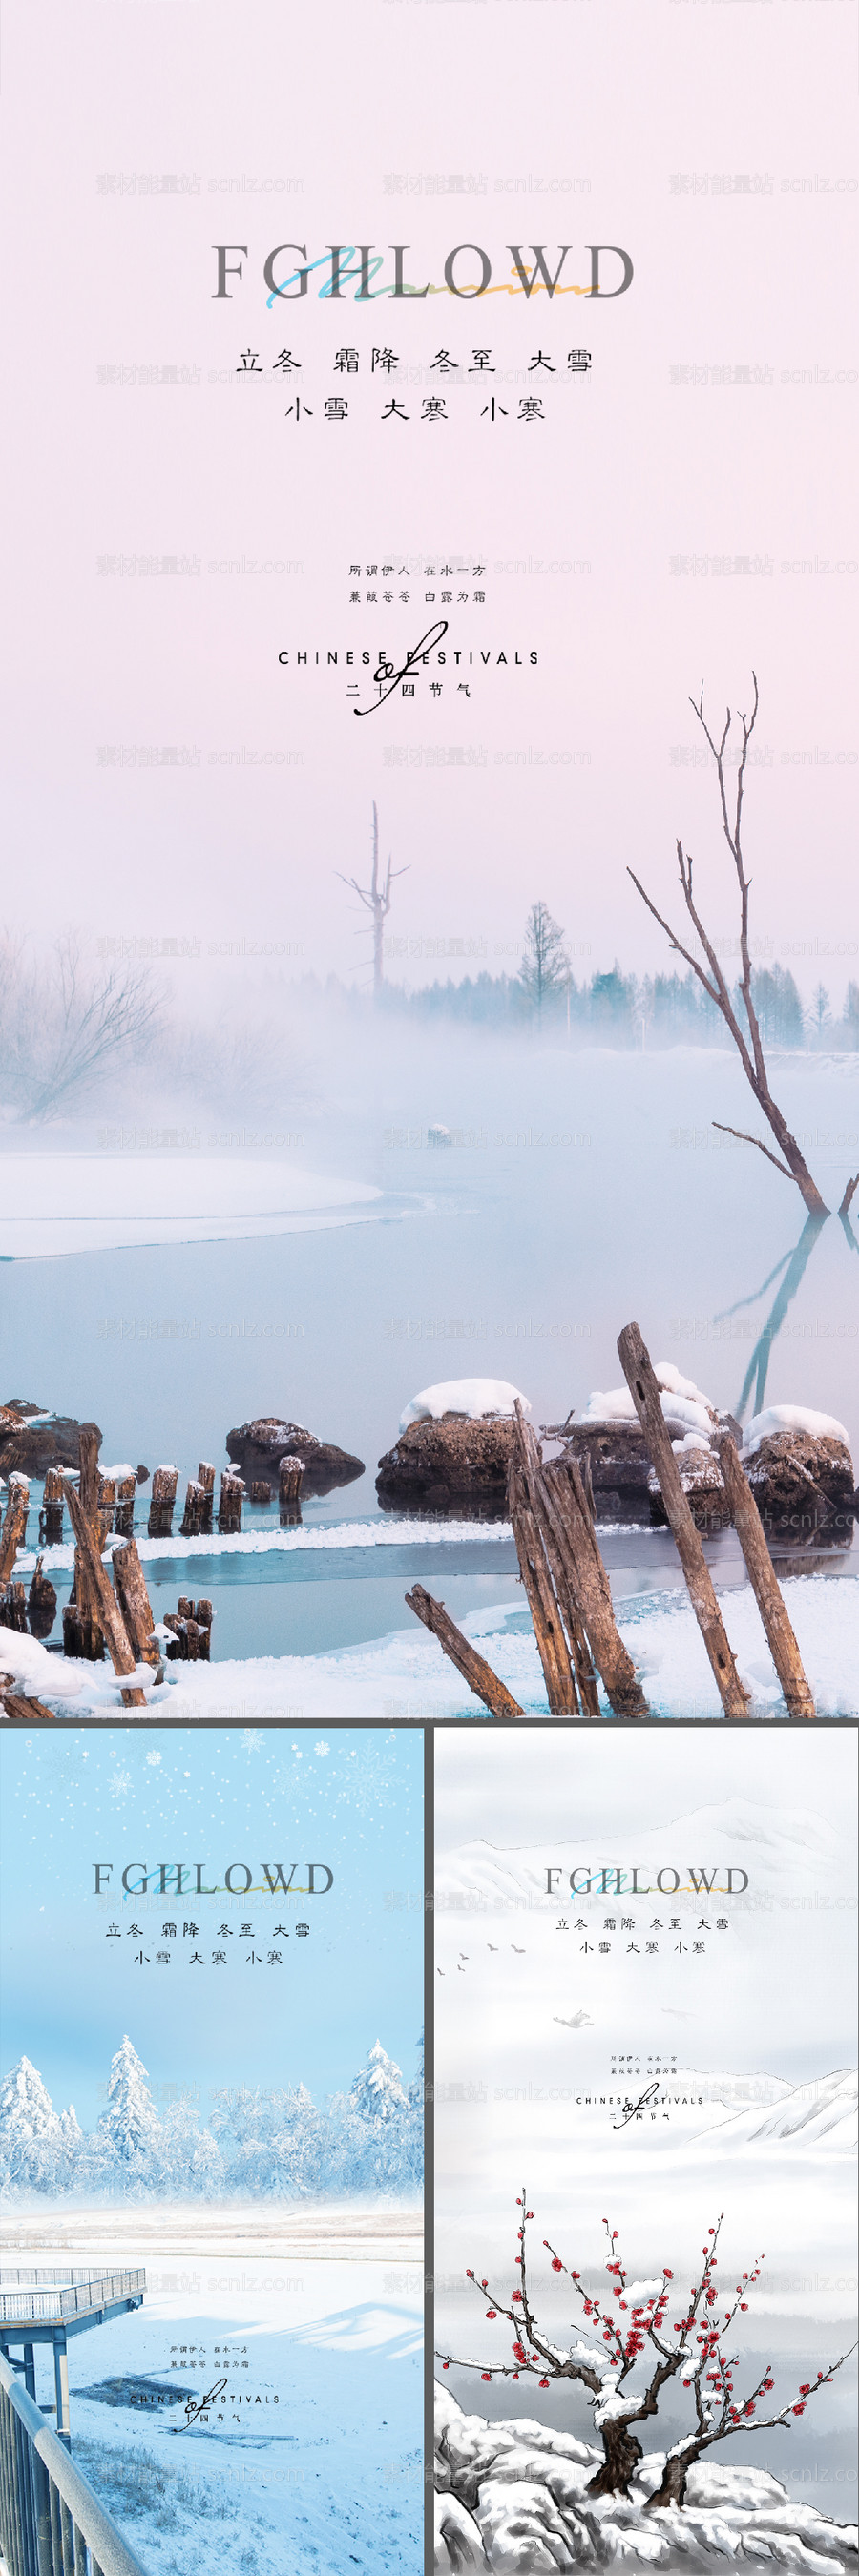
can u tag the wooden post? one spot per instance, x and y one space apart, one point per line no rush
122 1655
83 1595
192 1517
638 1372
203 1616
289 1479
260 1491
566 1500
230 1505
762 1576
126 1489
134 1602
106 1506
22 1712
14 1525
559 1506
548 1625
479 1675
13 1608
164 1483
51 1514
206 1477
41 1603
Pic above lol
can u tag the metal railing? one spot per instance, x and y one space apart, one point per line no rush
64 2297
51 2522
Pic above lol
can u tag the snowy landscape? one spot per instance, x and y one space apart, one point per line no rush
512 2496
311 2453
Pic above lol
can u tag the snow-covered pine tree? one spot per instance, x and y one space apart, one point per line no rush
31 2135
377 2093
191 2158
130 2134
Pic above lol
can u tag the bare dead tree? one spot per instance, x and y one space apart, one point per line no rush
377 899
790 1160
61 1033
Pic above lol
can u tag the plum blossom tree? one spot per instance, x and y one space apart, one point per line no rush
719 2409
607 2364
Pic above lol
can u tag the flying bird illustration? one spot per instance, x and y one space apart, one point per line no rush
439 1972
463 1954
460 1971
579 2021
519 1953
492 1945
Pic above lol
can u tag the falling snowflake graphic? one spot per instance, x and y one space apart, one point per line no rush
253 1738
120 1783
153 1759
322 1749
371 1783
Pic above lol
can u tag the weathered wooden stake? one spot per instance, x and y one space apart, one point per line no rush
122 1655
21 1711
84 1598
51 1514
289 1476
13 1608
561 1689
206 1477
260 1491
230 1505
203 1614
562 1505
123 1521
164 1483
14 1525
638 1372
134 1602
41 1603
192 1517
479 1675
106 1506
764 1581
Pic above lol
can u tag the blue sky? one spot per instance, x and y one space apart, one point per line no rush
352 1799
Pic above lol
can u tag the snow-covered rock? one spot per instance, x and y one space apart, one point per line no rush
477 1399
791 1417
513 2498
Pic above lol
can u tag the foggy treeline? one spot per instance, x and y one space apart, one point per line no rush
72 1028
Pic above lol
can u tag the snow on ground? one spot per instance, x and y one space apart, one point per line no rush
477 1398
311 2453
58 1203
512 2499
406 1675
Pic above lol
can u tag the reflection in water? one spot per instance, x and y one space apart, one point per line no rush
793 1266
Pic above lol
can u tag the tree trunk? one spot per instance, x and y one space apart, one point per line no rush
622 2455
762 1576
479 1675
673 2486
793 1156
638 1372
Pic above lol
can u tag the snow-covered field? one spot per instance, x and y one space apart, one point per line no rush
406 1676
512 2499
311 2453
79 1202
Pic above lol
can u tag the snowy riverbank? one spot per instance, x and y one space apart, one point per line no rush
405 1676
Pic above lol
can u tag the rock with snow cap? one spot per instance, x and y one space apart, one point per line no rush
257 1448
453 1450
800 1469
